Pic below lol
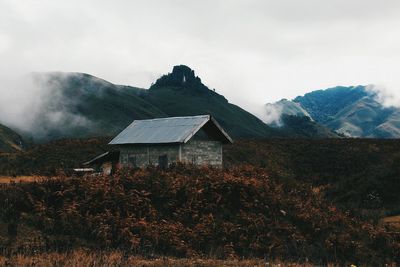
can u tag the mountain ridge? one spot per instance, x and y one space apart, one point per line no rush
79 105
350 111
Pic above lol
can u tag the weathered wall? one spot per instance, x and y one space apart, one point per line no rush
172 151
140 156
197 152
202 152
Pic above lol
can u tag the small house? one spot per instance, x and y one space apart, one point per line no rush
160 142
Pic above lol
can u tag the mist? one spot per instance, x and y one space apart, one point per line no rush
252 52
36 107
384 95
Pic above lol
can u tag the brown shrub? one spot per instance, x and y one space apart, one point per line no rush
187 212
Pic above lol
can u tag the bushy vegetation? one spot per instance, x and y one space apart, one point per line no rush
120 258
296 199
360 175
52 158
187 211
357 174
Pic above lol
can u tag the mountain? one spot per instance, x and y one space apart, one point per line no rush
296 126
10 141
287 107
350 111
182 93
323 105
80 105
294 121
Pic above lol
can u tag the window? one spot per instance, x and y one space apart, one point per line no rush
163 161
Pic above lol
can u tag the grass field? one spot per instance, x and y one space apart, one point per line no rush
392 223
19 179
116 258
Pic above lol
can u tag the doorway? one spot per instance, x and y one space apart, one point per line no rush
163 161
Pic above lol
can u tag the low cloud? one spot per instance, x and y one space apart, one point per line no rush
272 115
38 107
385 95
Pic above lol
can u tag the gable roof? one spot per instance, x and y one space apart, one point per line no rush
169 130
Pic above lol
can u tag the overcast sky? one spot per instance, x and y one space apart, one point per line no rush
251 51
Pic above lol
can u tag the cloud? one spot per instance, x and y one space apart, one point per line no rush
385 96
38 107
273 115
251 51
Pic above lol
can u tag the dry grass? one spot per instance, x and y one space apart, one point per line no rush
19 179
392 222
103 259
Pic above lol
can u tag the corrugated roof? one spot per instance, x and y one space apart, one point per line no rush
107 156
163 130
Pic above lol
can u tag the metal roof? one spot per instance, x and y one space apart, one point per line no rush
107 156
164 130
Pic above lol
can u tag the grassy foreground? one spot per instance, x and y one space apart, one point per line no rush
20 179
117 258
187 212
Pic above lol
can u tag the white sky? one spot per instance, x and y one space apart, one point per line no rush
251 51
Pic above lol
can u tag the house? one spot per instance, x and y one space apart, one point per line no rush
160 142
196 139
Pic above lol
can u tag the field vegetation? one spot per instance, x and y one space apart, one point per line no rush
189 212
117 258
315 201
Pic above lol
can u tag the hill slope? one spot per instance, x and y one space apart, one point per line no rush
351 111
296 126
80 105
10 141
182 93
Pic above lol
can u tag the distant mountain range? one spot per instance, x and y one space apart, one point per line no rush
349 111
78 105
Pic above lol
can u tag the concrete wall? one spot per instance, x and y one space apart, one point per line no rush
140 156
194 152
202 152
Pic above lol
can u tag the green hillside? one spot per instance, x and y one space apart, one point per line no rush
323 104
77 105
80 105
182 93
358 119
303 127
88 106
10 141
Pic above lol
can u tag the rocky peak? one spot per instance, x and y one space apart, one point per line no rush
181 77
183 73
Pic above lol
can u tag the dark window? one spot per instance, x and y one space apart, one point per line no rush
132 160
163 161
